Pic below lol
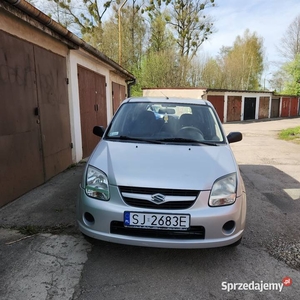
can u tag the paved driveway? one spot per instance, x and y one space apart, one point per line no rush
57 263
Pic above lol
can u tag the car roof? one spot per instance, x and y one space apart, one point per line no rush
169 100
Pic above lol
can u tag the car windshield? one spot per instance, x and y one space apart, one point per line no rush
166 122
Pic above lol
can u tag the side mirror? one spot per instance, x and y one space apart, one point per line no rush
98 130
234 137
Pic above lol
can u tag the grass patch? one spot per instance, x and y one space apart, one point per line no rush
290 134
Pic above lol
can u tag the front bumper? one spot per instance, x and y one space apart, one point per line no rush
211 218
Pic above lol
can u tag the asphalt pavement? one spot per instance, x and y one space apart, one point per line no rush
42 254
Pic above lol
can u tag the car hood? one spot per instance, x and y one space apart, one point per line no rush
163 165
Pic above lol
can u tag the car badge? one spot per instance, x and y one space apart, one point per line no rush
158 198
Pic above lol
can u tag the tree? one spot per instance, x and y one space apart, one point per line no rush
278 79
106 38
161 38
211 74
191 25
186 17
133 33
160 69
86 14
108 43
290 42
56 12
286 79
242 64
292 87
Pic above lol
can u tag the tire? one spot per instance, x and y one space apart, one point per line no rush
235 244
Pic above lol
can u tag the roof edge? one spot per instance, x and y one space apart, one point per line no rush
42 18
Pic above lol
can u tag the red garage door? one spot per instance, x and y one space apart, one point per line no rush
294 107
285 107
218 103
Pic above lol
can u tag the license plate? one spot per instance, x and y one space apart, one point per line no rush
158 221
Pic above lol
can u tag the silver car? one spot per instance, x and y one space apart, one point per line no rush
163 175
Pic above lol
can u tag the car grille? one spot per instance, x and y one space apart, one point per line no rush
142 203
194 232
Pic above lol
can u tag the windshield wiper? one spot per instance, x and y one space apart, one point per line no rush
184 140
129 138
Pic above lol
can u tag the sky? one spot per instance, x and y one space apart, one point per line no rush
268 18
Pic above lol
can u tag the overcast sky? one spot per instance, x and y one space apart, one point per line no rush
268 18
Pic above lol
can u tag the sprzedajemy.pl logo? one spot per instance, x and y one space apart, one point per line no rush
256 286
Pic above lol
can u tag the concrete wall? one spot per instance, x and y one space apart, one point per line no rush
180 93
31 32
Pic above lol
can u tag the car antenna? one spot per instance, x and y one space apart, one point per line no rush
165 95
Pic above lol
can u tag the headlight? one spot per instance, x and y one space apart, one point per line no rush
96 184
223 191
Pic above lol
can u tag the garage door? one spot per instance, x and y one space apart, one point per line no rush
263 107
285 109
34 117
92 97
249 108
275 108
218 103
234 105
118 95
54 111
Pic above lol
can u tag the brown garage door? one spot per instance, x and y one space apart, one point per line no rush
92 97
31 117
118 95
218 103
275 108
54 111
263 107
234 108
21 164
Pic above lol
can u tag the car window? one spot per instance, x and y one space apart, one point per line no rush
162 121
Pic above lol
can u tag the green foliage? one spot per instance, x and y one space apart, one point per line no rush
160 47
292 69
211 75
159 69
242 64
86 14
186 18
290 134
161 37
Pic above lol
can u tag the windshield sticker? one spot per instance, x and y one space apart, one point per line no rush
114 133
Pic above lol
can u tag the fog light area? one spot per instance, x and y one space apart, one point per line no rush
228 227
88 218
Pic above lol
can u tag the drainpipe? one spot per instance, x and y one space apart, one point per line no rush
130 83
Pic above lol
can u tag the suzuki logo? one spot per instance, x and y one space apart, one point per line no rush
158 198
